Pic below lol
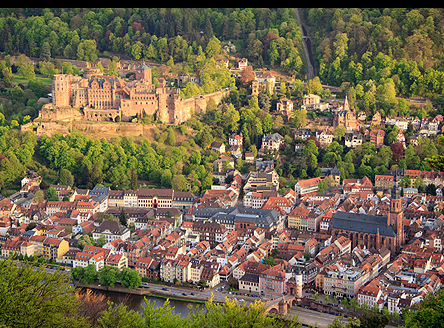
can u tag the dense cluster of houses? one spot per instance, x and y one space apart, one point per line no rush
343 242
359 239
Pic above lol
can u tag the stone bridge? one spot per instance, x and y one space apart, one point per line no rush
281 305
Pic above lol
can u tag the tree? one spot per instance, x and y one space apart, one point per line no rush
83 241
27 71
133 177
66 177
130 278
49 295
171 137
122 218
7 76
108 275
314 86
90 275
436 162
246 75
398 151
270 261
119 316
179 183
373 320
77 273
300 118
51 194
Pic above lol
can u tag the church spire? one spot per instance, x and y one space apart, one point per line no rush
346 105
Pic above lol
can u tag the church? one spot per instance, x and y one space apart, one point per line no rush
345 117
370 230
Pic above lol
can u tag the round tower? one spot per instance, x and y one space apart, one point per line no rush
299 283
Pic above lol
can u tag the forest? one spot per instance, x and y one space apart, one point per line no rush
350 49
266 36
385 52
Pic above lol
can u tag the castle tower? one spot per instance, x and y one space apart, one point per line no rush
61 90
395 218
143 72
299 283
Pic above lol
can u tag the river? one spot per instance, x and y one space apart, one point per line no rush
135 302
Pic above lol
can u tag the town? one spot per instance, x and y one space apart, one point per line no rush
374 245
292 156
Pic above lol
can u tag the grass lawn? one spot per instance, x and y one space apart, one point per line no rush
18 79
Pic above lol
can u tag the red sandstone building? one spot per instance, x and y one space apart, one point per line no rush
108 98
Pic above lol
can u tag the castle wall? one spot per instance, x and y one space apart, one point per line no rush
59 114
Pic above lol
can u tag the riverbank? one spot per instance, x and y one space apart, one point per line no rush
143 291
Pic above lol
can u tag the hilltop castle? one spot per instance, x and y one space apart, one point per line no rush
105 98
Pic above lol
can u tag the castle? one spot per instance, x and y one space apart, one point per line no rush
108 98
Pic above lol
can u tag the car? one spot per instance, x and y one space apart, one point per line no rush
324 311
337 314
184 294
331 313
98 285
164 288
345 316
192 293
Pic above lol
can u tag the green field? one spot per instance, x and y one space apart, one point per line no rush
19 79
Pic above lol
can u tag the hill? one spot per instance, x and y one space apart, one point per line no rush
379 51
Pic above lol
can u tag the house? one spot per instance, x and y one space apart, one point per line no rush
111 230
307 187
249 284
377 137
313 102
235 139
242 63
324 137
147 267
272 282
302 133
345 117
285 107
54 248
118 261
384 181
249 157
263 81
265 181
376 119
91 255
218 147
297 219
353 139
272 141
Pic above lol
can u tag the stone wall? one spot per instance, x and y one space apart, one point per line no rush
122 128
60 114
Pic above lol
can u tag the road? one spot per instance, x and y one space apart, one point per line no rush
305 316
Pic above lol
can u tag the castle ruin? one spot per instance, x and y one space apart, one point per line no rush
107 98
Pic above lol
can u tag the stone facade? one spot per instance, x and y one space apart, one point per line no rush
105 98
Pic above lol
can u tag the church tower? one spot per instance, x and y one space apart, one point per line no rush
346 104
395 218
